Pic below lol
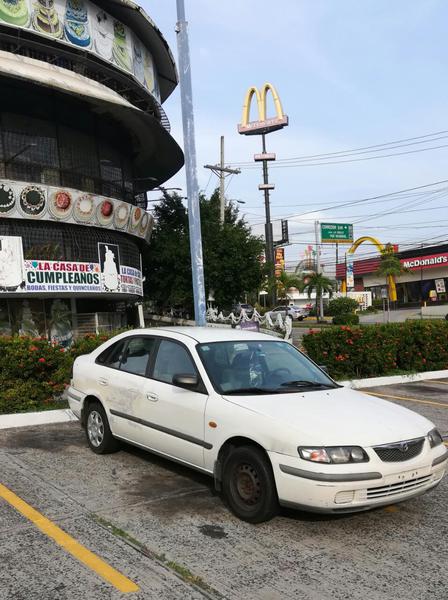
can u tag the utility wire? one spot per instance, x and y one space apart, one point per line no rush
354 150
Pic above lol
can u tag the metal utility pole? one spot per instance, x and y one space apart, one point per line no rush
221 171
194 215
317 231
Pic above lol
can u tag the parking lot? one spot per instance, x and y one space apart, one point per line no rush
77 525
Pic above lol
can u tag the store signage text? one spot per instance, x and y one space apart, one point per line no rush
425 262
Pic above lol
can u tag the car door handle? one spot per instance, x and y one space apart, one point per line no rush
103 381
152 397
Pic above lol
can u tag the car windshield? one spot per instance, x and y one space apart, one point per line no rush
266 367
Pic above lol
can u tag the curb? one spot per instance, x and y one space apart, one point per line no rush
389 380
65 415
44 417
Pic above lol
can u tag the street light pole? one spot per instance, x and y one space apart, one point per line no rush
194 215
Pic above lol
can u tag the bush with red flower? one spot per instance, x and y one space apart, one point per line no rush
34 372
373 350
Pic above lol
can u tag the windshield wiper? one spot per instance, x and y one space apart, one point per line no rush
305 383
251 390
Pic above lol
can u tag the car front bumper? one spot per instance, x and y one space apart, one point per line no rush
333 489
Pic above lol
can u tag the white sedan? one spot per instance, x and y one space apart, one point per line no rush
257 415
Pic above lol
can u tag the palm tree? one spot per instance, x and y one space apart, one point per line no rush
319 283
390 267
284 282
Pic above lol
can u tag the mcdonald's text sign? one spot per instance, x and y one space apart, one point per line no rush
264 124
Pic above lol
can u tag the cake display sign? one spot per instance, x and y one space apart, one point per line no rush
83 24
19 275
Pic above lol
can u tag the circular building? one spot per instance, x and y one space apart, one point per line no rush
83 136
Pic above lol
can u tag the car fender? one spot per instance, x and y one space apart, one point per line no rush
225 421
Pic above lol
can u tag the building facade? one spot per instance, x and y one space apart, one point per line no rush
426 279
83 136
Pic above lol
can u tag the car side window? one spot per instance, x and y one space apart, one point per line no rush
172 359
111 357
136 355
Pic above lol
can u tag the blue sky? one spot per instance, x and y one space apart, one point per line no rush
350 74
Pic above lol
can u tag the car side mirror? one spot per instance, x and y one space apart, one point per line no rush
186 380
324 368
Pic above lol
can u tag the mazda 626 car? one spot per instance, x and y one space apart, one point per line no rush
258 416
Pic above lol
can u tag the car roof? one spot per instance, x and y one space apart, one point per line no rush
209 334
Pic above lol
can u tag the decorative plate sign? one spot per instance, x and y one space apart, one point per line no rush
32 201
122 215
84 208
144 222
136 216
61 204
105 212
7 198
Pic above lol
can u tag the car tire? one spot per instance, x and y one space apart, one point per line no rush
249 486
300 318
99 435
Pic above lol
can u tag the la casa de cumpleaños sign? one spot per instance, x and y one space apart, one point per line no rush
108 275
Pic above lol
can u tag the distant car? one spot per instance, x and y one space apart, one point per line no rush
298 313
248 309
258 416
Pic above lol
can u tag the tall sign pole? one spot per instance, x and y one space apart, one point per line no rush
263 126
194 215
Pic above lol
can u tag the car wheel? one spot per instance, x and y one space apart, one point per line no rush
300 318
99 436
248 485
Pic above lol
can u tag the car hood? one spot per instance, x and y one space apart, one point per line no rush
340 416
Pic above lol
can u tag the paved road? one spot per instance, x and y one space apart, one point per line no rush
396 316
161 521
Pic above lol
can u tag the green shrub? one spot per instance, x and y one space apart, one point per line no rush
342 306
34 373
374 350
346 319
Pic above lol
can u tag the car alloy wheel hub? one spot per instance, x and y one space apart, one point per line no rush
95 428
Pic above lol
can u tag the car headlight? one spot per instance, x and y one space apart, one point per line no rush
434 438
334 454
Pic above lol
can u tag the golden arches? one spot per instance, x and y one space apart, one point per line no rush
261 98
366 238
390 278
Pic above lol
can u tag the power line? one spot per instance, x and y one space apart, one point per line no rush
383 146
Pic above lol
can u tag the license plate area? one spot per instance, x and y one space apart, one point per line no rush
406 476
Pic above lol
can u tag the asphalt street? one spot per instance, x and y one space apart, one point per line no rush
162 528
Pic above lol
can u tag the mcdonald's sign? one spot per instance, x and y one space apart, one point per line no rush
264 124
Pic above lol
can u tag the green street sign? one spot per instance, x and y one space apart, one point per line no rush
333 233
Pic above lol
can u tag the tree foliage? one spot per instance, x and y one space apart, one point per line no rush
230 253
390 264
320 284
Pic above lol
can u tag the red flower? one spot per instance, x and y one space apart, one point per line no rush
41 360
33 348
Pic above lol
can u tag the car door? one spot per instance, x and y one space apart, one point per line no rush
128 389
107 380
174 415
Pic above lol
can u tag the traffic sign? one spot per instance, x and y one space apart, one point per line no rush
331 233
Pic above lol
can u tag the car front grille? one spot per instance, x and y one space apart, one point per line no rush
397 488
400 451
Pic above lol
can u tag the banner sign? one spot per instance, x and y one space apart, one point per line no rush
50 276
350 278
340 233
440 286
425 262
279 261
